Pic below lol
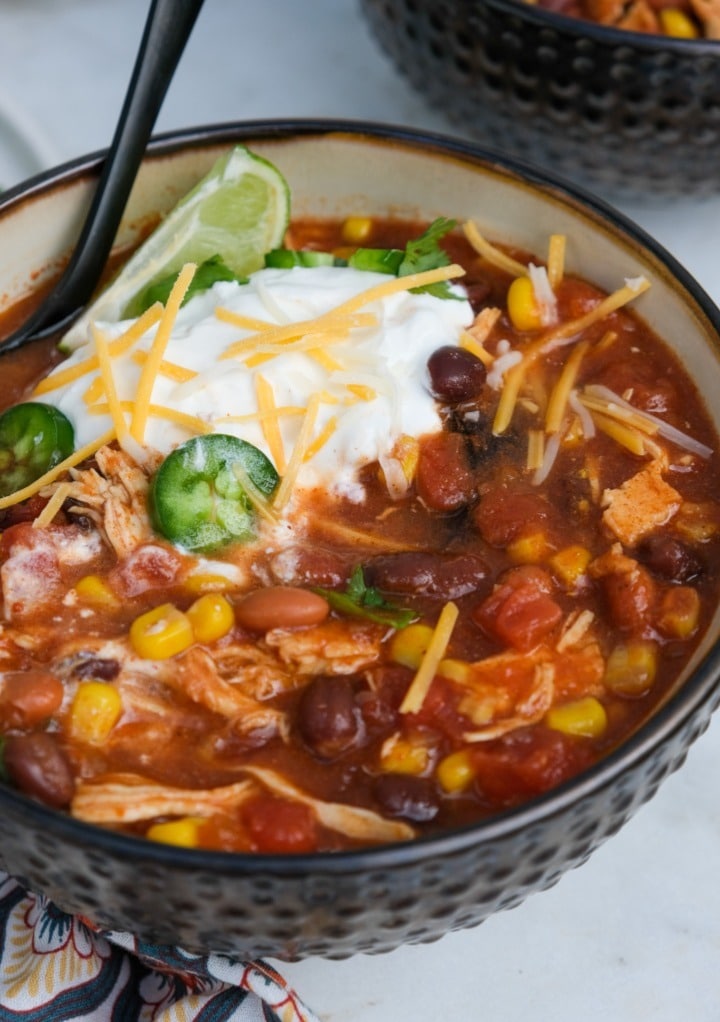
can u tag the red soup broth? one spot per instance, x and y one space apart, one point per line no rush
416 661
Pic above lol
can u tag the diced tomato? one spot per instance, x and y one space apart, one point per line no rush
520 611
148 567
276 825
526 764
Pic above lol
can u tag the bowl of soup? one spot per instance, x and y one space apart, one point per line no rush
357 591
597 91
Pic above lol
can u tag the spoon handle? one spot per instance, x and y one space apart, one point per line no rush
167 29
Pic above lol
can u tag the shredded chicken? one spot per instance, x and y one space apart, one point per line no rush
334 647
116 494
196 675
353 821
708 11
642 504
128 798
528 706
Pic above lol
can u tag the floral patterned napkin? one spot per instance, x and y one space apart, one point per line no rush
57 966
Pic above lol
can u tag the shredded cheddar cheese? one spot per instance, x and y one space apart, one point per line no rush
106 375
420 685
270 422
490 252
152 366
54 473
52 507
121 344
282 494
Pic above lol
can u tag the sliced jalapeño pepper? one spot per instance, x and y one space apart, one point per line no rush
286 258
34 437
204 494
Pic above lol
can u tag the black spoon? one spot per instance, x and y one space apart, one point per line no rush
167 30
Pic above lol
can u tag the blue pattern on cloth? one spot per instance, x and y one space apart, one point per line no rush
57 966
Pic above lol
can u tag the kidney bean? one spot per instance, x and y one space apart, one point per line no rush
455 374
328 718
280 607
27 698
36 765
443 480
503 513
631 597
448 576
669 558
407 796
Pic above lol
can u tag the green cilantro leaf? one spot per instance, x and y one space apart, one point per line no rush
207 274
425 253
360 600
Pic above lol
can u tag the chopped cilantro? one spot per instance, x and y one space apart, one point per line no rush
207 274
361 600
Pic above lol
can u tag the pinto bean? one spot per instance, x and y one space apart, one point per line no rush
37 765
447 576
455 374
27 698
444 480
407 796
280 607
329 719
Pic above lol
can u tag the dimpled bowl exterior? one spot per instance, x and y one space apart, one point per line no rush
336 905
629 113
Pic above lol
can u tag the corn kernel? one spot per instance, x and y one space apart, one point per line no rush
455 670
404 756
207 582
211 617
571 563
95 590
679 612
522 305
530 549
162 632
631 667
184 832
94 712
676 23
409 645
455 772
356 230
585 718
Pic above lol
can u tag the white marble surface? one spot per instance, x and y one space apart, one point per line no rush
632 935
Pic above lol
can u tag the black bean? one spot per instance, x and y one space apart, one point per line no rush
407 796
455 374
669 558
328 718
37 765
97 668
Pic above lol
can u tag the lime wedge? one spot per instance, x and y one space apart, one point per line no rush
240 210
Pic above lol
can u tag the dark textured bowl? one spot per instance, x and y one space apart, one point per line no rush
630 113
335 905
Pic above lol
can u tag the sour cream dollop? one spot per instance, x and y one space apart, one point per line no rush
371 381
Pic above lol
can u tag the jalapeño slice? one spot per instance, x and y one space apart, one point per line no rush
34 437
204 493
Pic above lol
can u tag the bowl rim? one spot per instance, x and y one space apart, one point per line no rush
608 34
702 687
